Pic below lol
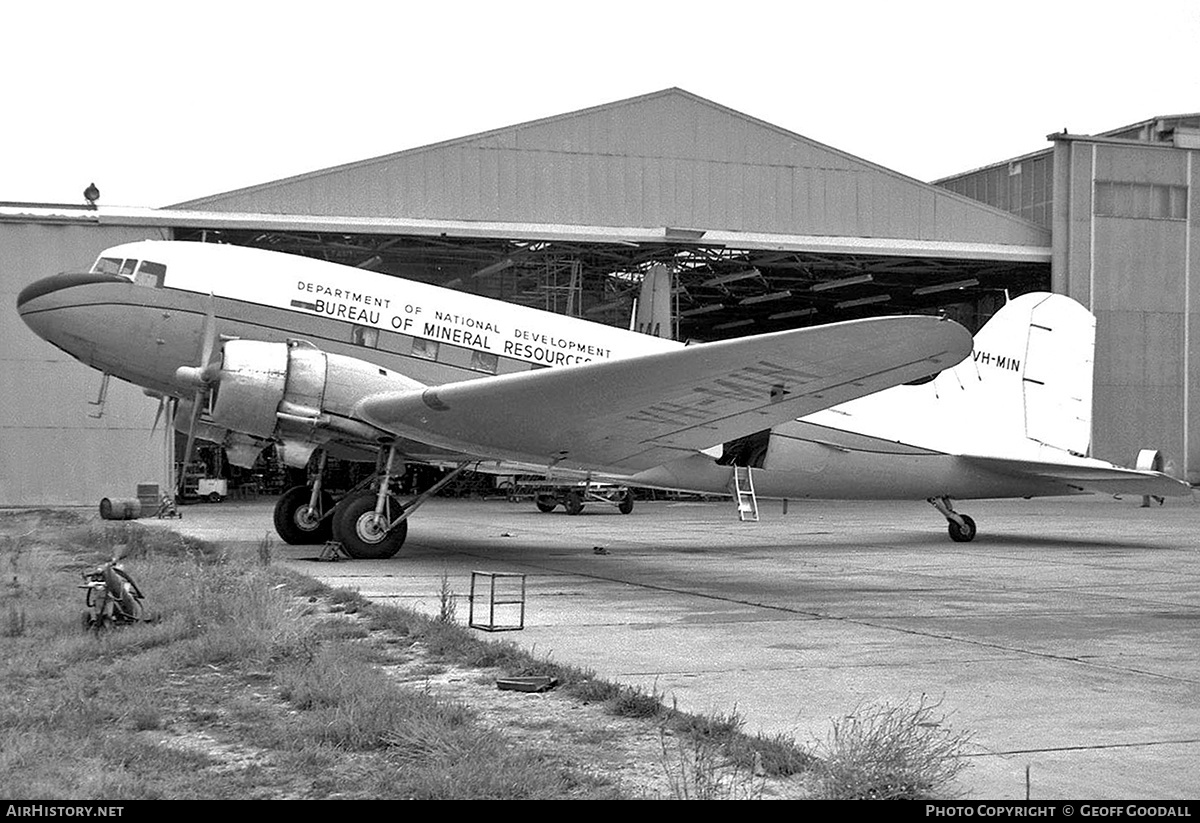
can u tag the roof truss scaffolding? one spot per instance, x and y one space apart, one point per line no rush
720 291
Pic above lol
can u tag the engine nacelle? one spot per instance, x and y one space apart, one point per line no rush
240 449
296 394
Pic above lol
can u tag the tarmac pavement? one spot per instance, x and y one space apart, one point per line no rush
1066 637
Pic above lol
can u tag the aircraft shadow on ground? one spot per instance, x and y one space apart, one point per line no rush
1047 542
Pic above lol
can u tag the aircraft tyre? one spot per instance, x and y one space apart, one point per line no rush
962 534
626 504
362 534
574 502
293 521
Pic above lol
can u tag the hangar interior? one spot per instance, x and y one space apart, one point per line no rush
720 292
763 229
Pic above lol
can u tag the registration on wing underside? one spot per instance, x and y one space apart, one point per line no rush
635 412
750 392
768 381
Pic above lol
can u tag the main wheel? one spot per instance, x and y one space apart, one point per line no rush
363 534
545 503
626 504
964 533
299 525
574 502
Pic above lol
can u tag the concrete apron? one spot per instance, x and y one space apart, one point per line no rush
1066 638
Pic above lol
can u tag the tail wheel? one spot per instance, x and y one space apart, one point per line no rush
297 523
964 533
363 533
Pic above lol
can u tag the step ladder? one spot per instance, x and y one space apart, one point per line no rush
747 503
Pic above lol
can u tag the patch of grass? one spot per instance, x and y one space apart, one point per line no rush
76 707
591 689
698 768
775 755
447 602
904 751
632 701
102 715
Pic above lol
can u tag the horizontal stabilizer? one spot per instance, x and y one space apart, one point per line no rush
1092 475
639 412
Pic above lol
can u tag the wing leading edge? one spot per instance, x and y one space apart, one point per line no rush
632 414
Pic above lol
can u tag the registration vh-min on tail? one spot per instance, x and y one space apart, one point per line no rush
255 348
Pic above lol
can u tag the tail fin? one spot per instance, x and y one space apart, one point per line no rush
654 305
1030 375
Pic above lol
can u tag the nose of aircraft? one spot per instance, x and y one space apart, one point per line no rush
58 282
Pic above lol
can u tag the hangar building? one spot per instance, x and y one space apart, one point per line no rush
763 228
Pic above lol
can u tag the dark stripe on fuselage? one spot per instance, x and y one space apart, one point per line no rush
66 280
237 318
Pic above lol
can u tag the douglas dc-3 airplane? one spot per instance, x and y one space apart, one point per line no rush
258 348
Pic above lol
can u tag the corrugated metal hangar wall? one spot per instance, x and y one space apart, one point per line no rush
1124 209
51 451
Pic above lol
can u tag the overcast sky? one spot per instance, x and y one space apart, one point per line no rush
159 103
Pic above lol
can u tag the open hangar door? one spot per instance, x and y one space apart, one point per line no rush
719 292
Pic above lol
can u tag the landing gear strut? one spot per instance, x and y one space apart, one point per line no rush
373 525
304 514
961 527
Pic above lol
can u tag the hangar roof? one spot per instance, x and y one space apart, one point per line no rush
763 228
670 158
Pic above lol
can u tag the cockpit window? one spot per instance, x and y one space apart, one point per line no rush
128 267
107 265
150 274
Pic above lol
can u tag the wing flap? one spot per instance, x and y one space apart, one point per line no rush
639 412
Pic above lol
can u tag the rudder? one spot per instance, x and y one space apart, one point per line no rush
1047 343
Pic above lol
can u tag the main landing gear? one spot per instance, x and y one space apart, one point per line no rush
370 522
961 527
304 514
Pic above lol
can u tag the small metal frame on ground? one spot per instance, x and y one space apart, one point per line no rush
502 593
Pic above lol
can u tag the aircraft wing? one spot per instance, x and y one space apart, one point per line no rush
632 414
1089 474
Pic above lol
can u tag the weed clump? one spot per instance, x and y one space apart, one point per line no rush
633 702
900 751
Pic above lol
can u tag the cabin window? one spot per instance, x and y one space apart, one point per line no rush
127 268
364 336
425 349
107 265
150 274
484 361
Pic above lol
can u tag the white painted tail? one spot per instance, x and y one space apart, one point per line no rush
1025 390
1030 375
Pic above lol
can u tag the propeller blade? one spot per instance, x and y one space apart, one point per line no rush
162 405
205 371
210 333
191 437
